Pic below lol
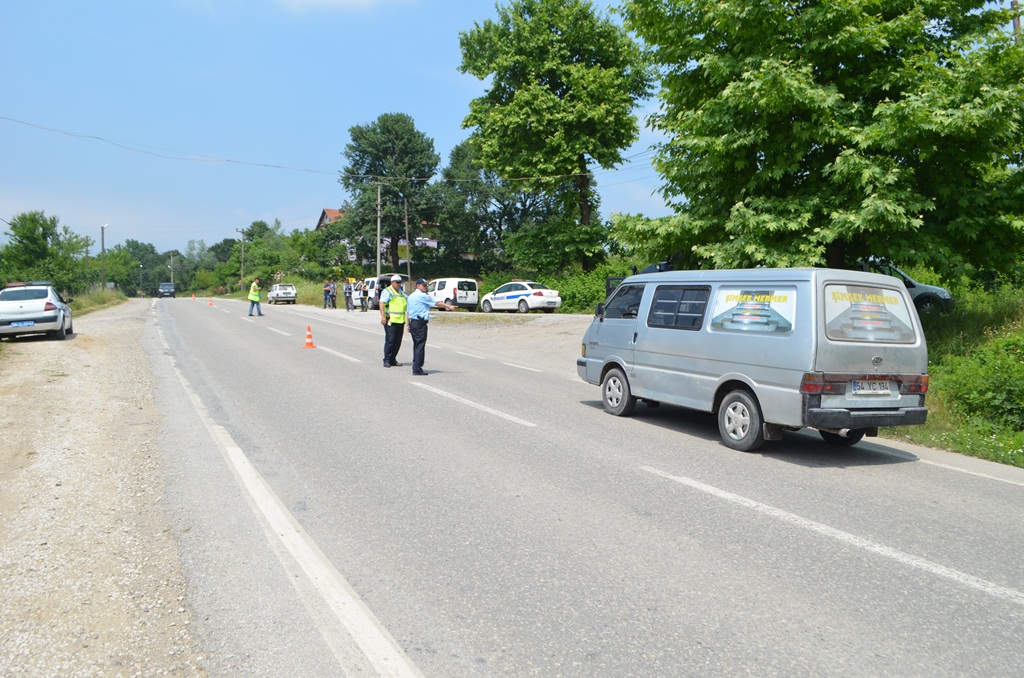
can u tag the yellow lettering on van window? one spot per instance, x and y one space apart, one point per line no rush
738 298
847 296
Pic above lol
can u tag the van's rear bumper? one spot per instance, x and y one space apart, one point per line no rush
841 418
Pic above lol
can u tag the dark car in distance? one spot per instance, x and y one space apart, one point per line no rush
165 290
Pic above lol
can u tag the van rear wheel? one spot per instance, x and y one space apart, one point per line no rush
616 395
740 422
842 441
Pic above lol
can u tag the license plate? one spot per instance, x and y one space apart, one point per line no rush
871 387
23 323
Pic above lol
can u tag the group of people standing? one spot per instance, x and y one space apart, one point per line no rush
353 294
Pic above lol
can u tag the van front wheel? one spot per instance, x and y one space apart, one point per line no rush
616 395
739 421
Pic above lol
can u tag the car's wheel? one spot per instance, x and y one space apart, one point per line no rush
739 421
60 333
842 441
927 304
449 302
524 307
616 395
71 326
486 306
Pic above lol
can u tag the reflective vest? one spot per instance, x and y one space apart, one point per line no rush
254 292
397 303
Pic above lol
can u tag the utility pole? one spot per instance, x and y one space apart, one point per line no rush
103 256
408 243
378 229
241 283
1016 20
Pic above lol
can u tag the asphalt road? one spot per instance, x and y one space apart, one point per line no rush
338 518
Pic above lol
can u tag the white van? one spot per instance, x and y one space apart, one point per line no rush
767 350
461 292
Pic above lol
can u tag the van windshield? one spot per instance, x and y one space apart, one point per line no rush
867 313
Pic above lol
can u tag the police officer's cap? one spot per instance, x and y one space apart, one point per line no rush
396 278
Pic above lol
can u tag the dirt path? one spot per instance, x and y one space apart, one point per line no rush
89 573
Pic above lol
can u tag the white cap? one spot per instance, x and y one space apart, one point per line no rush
396 278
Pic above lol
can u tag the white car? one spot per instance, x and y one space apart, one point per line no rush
282 293
34 308
522 296
461 292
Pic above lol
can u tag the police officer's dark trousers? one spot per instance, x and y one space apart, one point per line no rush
392 341
418 331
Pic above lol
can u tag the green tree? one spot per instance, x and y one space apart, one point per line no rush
809 133
391 159
564 81
480 212
39 248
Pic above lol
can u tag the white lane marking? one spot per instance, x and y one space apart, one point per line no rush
274 329
378 327
247 319
970 473
1005 593
471 355
340 355
522 367
372 639
478 406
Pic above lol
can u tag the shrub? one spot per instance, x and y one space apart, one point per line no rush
988 384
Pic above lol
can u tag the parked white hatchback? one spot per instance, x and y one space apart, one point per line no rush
282 293
522 296
34 308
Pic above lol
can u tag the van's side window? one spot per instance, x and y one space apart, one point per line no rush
678 306
625 303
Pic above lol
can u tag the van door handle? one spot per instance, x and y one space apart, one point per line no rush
634 338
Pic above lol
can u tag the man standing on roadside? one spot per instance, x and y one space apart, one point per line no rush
254 297
393 304
420 304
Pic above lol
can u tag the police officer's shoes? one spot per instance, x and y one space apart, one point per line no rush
419 373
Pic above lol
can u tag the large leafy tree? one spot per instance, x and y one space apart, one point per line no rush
501 223
38 248
564 81
391 159
813 132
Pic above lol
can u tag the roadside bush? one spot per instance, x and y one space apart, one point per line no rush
988 384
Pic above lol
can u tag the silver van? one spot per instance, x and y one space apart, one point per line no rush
766 350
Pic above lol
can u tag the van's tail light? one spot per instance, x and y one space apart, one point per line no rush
909 385
815 383
50 306
820 383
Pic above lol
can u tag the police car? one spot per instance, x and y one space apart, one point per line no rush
522 296
34 308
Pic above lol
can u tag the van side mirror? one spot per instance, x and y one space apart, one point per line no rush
599 311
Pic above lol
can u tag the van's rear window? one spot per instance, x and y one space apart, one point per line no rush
867 313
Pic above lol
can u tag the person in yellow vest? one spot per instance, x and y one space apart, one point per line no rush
254 297
393 304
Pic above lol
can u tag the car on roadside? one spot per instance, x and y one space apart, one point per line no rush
522 296
281 293
375 287
34 308
165 289
927 298
460 292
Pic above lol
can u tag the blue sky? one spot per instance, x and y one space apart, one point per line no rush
178 120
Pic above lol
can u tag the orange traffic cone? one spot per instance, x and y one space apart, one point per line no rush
210 302
309 337
193 296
